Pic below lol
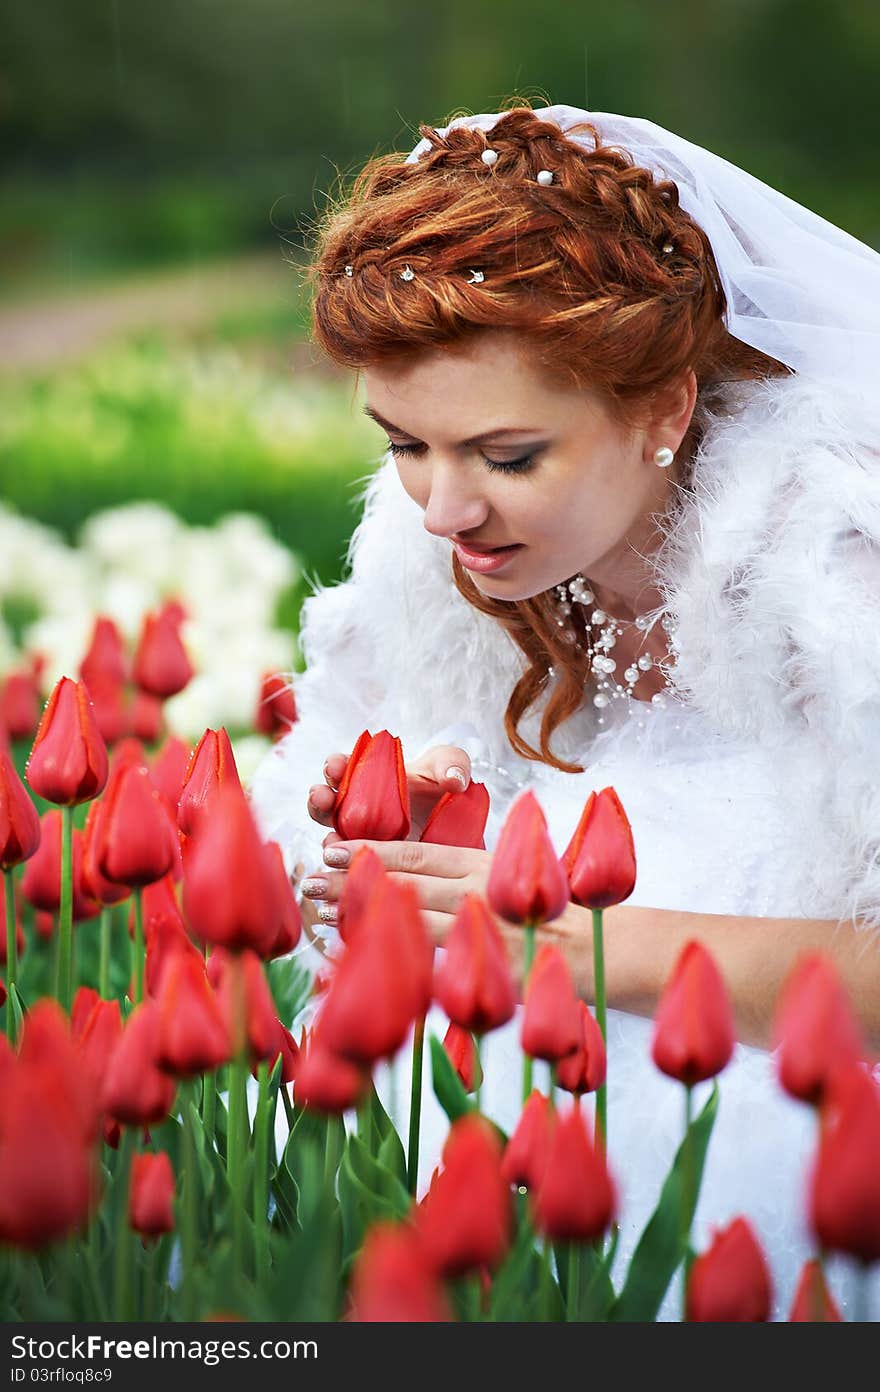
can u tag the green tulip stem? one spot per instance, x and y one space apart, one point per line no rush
11 952
238 1121
283 1089
104 959
261 1175
415 1105
209 1107
528 959
65 924
574 1274
138 964
599 984
687 1180
124 1250
190 1202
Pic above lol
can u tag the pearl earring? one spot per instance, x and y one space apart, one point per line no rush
663 456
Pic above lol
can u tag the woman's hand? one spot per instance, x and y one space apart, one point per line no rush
428 778
442 876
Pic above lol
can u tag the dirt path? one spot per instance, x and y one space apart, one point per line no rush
40 333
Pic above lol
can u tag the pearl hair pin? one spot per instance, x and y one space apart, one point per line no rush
545 176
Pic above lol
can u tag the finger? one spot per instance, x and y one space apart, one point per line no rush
334 767
447 765
324 885
417 857
321 802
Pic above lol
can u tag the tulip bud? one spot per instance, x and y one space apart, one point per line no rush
474 984
134 1089
585 1069
576 1199
527 882
730 1283
845 1185
151 1195
193 1034
211 766
169 770
41 882
525 1155
465 1220
694 1033
392 1281
815 1028
68 761
106 658
551 1023
138 840
19 819
600 859
461 1050
326 1081
229 890
362 875
19 705
161 665
372 800
258 1029
288 918
110 707
276 706
459 818
813 1302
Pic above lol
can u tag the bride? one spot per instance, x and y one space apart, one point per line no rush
627 533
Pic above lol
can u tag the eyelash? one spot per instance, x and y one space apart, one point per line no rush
512 466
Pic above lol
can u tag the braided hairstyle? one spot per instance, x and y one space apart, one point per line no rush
602 274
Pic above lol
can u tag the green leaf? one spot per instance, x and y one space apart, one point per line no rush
448 1087
391 1157
290 985
518 1280
660 1249
18 1007
368 1191
595 1291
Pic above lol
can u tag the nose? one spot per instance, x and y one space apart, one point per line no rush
452 507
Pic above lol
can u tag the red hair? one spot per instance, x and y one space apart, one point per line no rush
577 268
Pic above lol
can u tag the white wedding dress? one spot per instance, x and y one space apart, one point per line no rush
746 799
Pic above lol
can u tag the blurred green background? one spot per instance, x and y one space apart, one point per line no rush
162 164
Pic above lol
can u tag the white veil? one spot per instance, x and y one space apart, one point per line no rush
798 287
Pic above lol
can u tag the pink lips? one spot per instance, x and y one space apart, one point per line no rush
485 561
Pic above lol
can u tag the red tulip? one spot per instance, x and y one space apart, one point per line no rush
600 859
461 1049
325 1081
193 1034
372 801
259 1027
288 918
730 1283
383 981
41 882
584 1070
813 1302
106 658
815 1028
527 881
392 1281
161 665
576 1199
19 819
362 875
48 1054
474 984
551 1024
229 893
84 1002
459 818
694 1033
134 1089
525 1155
68 761
212 765
20 940
19 705
287 1047
169 770
151 1194
47 1171
276 706
465 1221
845 1185
99 1036
137 840
96 885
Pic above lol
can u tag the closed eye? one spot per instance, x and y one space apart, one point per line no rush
508 466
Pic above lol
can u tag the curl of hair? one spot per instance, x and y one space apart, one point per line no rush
576 268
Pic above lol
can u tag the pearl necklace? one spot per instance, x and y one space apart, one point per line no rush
577 591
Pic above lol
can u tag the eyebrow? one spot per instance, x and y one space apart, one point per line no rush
474 440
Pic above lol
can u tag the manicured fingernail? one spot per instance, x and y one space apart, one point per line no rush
314 888
455 772
328 913
336 855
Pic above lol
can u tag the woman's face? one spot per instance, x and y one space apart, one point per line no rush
550 470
